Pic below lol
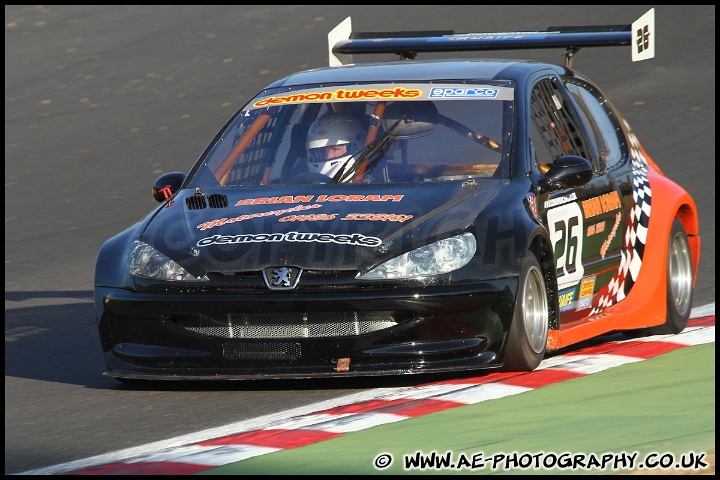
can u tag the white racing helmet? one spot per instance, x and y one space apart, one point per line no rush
331 140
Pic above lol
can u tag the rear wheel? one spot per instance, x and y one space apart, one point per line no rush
528 334
679 283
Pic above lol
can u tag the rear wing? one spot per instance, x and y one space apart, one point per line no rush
343 43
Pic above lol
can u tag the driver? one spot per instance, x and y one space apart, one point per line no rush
332 139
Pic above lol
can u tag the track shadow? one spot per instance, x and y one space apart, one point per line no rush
54 343
21 296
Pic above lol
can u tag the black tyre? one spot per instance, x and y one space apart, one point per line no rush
679 283
528 334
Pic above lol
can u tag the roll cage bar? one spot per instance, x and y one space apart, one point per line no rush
343 43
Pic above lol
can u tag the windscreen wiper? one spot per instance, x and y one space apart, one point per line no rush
344 175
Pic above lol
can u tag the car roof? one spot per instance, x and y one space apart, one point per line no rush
421 70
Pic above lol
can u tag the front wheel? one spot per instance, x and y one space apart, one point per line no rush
527 338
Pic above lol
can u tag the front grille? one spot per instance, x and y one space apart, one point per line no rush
263 351
287 325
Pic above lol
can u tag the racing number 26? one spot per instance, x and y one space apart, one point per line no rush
566 227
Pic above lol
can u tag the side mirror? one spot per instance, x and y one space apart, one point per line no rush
569 171
166 185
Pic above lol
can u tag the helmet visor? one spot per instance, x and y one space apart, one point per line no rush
330 152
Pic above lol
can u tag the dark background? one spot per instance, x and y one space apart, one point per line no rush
101 100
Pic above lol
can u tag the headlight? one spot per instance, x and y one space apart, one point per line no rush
147 262
440 257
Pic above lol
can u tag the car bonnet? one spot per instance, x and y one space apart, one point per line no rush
327 227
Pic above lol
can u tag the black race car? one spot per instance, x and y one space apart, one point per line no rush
404 217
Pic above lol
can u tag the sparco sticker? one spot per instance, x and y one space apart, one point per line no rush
463 92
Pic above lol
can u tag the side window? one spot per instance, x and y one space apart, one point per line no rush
554 131
604 127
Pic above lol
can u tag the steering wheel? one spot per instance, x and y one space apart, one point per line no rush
315 178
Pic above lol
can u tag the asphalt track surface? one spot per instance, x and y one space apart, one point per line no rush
100 100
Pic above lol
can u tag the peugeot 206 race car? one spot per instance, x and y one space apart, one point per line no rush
404 217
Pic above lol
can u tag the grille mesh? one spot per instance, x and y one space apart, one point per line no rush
263 351
287 325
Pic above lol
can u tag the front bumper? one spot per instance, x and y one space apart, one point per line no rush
273 335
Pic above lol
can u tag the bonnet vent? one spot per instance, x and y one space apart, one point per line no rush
196 202
218 201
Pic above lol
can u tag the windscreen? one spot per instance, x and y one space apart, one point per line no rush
363 133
